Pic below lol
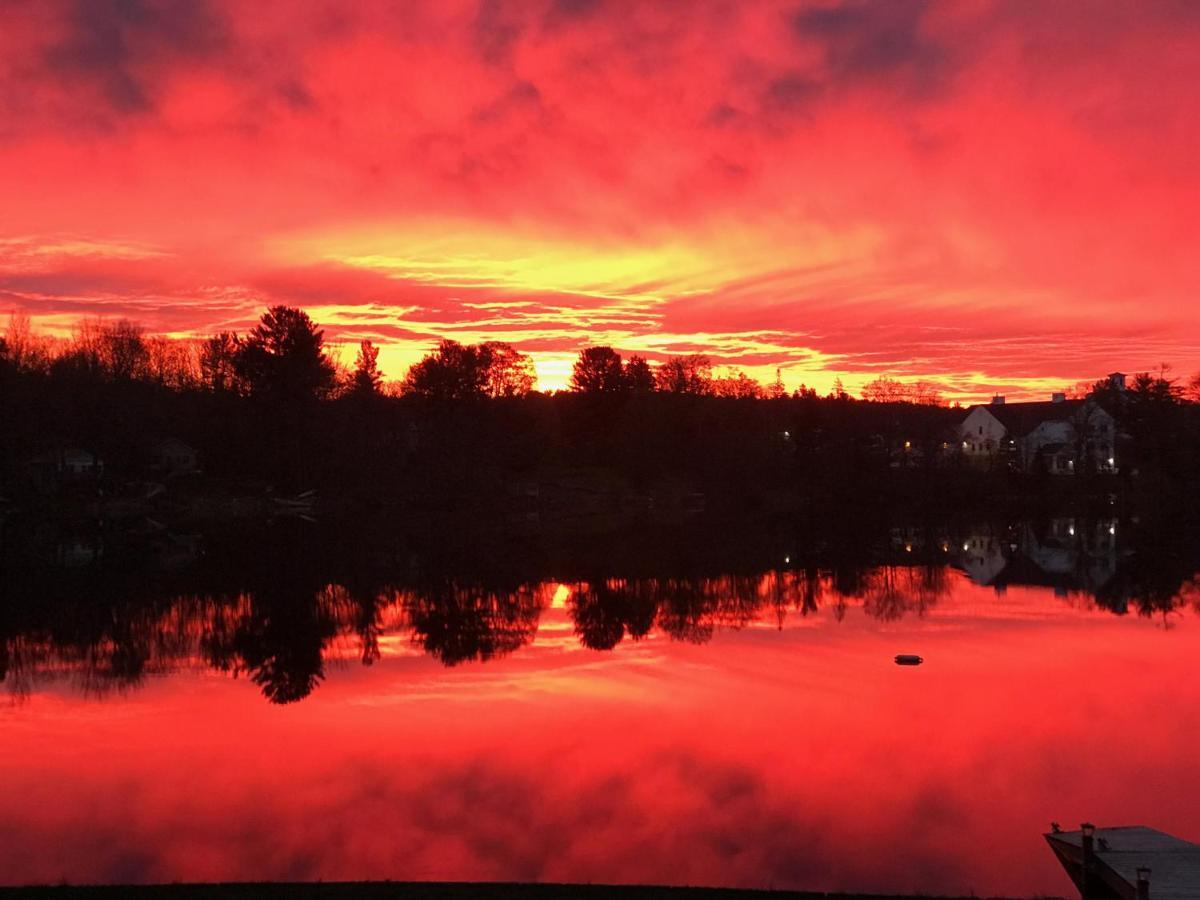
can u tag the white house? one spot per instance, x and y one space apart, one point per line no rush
68 466
984 437
174 457
983 557
1059 436
79 463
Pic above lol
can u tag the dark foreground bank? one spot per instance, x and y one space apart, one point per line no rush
416 891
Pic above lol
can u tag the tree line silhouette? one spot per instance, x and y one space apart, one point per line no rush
285 357
273 407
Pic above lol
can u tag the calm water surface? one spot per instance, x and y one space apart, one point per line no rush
745 728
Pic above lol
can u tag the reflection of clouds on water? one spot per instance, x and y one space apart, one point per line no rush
693 713
680 818
796 759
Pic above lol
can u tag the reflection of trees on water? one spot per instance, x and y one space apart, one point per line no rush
458 623
282 636
891 592
277 642
606 610
1148 566
109 629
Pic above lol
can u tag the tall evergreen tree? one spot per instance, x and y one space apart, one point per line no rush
367 377
283 357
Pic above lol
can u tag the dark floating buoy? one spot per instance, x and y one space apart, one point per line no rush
908 659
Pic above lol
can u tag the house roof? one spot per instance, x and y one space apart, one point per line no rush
1021 418
173 443
1174 864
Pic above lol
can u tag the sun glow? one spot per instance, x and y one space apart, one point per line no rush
462 255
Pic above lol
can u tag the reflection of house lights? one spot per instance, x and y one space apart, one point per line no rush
1112 529
908 445
966 545
1112 461
908 548
787 560
1071 530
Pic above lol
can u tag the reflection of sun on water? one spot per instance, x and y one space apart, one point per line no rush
559 600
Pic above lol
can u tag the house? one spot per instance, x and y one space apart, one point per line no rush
76 463
173 457
983 557
59 468
1058 436
76 551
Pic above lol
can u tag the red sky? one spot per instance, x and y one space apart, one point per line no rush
1000 196
745 762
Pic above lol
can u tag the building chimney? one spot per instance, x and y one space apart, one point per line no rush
1143 883
1058 397
998 400
1087 832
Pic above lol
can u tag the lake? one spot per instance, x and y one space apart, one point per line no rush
710 707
